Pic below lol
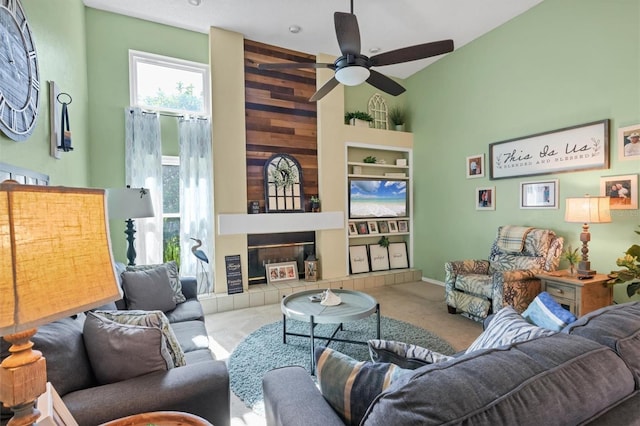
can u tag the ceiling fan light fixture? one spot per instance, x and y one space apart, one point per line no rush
352 75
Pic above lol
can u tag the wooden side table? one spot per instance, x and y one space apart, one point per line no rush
578 296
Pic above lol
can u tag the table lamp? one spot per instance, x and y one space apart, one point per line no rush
55 261
129 203
587 210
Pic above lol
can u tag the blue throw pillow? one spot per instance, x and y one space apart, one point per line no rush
350 386
545 312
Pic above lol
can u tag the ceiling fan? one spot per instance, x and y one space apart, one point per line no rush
354 68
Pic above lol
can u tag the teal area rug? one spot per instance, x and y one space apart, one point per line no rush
263 350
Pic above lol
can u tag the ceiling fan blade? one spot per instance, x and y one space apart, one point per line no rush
284 65
384 83
328 86
412 53
347 32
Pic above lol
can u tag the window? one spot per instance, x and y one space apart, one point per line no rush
171 208
168 84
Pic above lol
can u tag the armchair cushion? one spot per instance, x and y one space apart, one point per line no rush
121 351
511 239
507 327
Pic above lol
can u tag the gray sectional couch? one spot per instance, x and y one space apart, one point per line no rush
200 387
589 373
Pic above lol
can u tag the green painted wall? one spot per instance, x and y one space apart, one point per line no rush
58 28
109 38
563 63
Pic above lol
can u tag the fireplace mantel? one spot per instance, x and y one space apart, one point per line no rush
268 223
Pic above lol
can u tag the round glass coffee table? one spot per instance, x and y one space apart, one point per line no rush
355 305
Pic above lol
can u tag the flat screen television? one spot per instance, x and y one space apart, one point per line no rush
371 198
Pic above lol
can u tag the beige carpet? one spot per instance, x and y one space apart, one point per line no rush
418 303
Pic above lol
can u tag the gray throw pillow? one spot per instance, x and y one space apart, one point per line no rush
404 355
174 277
148 290
122 351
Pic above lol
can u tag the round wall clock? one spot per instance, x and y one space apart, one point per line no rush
19 75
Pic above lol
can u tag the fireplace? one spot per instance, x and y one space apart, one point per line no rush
275 248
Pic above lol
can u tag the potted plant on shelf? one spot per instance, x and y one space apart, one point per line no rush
314 203
397 116
571 256
358 118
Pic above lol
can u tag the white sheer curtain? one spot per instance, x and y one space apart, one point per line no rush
143 168
196 199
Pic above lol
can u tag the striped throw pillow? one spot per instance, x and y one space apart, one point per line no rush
402 354
350 386
545 312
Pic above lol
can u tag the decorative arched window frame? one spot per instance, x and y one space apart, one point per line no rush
283 185
378 110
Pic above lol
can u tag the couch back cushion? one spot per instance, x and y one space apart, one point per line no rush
559 379
62 345
616 326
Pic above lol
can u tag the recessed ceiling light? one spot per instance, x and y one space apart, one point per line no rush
374 50
294 29
194 2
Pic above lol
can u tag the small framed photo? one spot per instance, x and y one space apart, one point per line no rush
403 226
352 229
629 143
372 225
53 412
383 227
475 166
393 225
539 195
362 228
622 189
281 272
486 198
379 257
398 255
358 259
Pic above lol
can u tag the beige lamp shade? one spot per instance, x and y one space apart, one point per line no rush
129 203
587 210
55 254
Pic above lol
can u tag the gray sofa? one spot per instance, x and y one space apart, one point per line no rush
200 387
589 373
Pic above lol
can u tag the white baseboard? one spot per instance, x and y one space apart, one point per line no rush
433 281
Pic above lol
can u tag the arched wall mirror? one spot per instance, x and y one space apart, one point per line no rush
283 186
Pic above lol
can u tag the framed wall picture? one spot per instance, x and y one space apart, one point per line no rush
358 259
362 228
379 257
403 226
475 166
622 189
383 227
352 229
393 225
398 255
539 195
281 272
372 226
485 198
629 143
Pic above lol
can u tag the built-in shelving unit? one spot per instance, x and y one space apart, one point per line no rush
392 164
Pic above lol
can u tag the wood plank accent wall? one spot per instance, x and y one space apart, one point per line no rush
279 117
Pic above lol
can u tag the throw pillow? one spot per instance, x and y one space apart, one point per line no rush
148 290
121 351
174 277
151 319
350 386
402 354
507 327
545 312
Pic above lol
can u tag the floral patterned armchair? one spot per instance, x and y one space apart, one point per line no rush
476 288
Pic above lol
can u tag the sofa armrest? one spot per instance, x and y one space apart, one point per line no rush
287 391
201 389
189 287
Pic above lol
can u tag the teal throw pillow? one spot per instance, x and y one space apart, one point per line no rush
350 386
545 312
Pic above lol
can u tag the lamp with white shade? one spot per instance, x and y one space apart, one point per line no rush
128 204
587 210
55 261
